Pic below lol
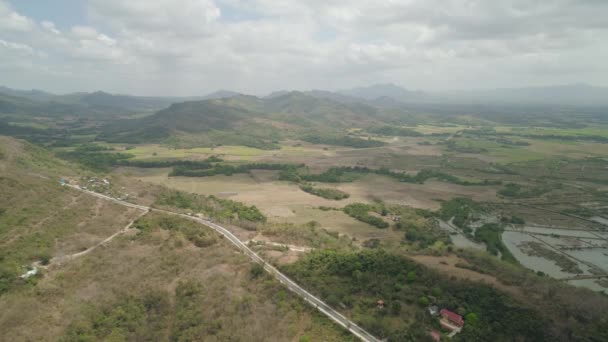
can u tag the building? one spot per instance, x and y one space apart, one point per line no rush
433 310
451 318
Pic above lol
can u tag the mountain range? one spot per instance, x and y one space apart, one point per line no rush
226 117
375 95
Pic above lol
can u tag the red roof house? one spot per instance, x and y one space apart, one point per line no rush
452 317
435 335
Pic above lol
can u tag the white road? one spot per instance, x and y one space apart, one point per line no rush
290 284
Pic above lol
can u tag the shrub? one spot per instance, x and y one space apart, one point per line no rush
256 270
361 211
328 193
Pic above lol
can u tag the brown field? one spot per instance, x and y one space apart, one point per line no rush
285 202
275 197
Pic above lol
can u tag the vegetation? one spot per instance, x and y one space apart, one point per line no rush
307 234
333 175
190 230
361 212
514 190
462 210
420 236
226 169
490 234
131 318
343 141
357 280
394 131
328 193
198 164
223 209
349 174
190 314
95 157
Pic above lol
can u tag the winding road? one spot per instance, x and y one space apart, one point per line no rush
283 279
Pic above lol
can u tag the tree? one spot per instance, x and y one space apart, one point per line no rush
436 291
423 301
411 276
256 270
395 307
472 319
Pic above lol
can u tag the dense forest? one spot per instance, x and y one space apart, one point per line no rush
357 280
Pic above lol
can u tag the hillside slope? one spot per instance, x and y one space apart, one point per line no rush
243 120
150 283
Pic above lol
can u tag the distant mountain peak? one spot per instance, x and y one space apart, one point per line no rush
381 90
221 94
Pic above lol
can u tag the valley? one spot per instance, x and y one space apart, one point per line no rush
378 213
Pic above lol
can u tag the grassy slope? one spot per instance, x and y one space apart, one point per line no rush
41 217
71 300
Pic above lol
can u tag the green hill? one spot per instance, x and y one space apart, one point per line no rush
244 120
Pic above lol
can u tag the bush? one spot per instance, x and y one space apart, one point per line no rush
44 259
490 234
256 270
361 211
394 131
226 169
411 276
213 206
514 190
327 193
343 141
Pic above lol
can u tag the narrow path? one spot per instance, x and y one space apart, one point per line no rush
282 245
64 258
283 279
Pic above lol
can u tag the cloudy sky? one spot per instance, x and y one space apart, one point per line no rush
192 47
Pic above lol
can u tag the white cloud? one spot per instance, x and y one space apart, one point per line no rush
195 46
16 47
13 21
187 17
49 26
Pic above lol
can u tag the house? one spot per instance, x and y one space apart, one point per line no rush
433 310
380 304
451 318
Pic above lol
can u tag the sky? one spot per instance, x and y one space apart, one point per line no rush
193 47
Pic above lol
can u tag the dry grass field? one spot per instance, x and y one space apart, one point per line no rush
244 308
285 202
447 265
